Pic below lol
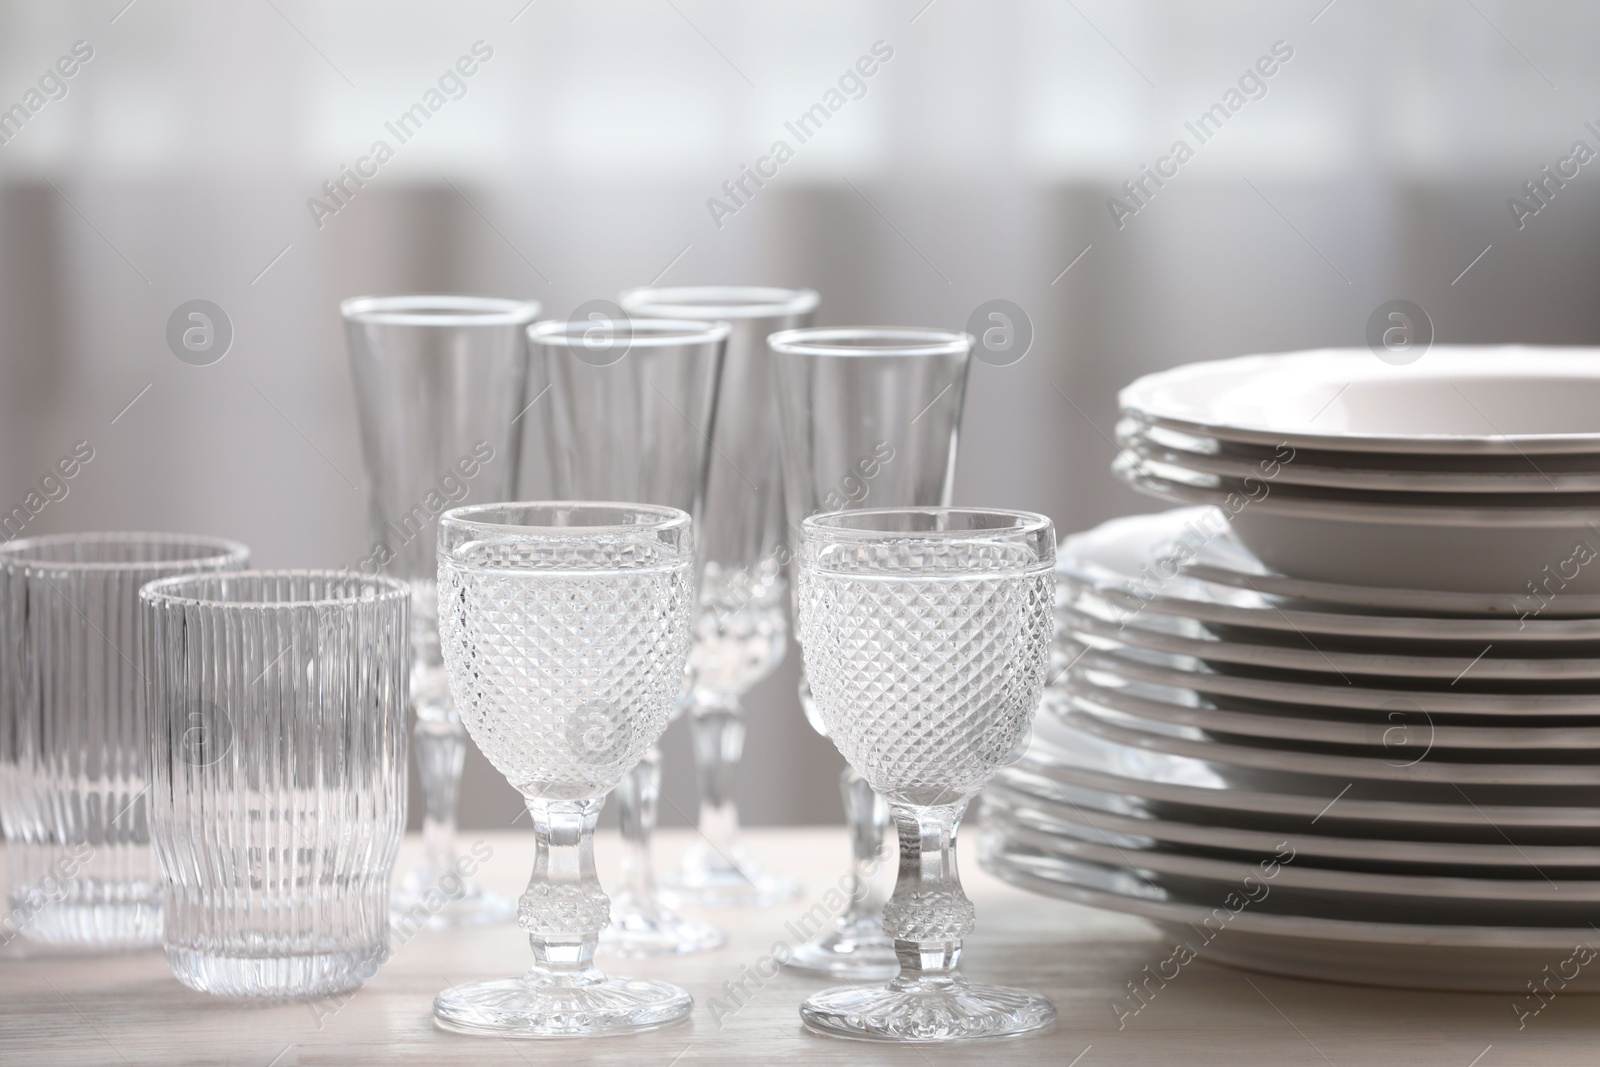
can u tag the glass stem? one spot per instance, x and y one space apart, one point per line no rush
928 915
718 725
441 753
638 797
564 908
867 816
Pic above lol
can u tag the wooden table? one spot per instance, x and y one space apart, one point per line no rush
129 1010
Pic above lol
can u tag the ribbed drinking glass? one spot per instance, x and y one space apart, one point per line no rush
565 629
926 634
740 627
869 417
630 417
74 766
278 792
439 384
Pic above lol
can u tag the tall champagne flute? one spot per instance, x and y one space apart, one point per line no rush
869 417
630 416
565 631
740 628
439 386
926 634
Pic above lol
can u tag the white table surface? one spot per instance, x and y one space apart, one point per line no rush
129 1010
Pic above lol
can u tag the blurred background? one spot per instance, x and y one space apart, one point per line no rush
202 151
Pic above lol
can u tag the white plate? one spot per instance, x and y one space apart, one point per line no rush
1497 551
1239 763
1407 955
1213 554
1183 674
1456 399
1531 889
1399 731
1300 471
1062 756
1200 643
1092 817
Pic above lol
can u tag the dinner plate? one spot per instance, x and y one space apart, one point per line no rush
1399 731
1208 550
1407 955
1291 468
1187 673
1202 644
1242 763
1458 399
1062 756
1184 562
1531 891
1091 813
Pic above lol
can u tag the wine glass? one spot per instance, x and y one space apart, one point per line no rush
630 417
565 629
740 629
925 633
439 392
869 417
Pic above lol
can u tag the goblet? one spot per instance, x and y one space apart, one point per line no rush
439 390
740 630
926 635
565 629
869 417
630 418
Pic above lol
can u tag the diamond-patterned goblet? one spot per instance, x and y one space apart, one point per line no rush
565 629
925 634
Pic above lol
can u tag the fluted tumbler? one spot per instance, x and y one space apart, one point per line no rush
278 791
73 764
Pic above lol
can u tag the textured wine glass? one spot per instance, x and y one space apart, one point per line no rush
439 384
926 634
565 629
629 417
869 417
278 791
740 627
74 772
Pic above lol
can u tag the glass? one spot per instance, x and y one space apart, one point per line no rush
868 417
740 628
926 634
278 794
74 775
630 418
565 629
439 384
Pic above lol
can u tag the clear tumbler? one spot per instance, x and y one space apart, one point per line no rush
73 769
277 796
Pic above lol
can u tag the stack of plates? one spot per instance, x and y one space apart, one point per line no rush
1364 784
1471 470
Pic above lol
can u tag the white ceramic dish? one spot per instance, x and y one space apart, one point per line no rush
1495 551
1092 818
1395 731
1455 400
1181 673
1235 758
1062 756
1201 644
1496 959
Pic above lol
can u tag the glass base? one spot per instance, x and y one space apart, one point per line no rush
531 1007
655 931
97 927
854 949
312 975
947 1010
422 900
709 881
